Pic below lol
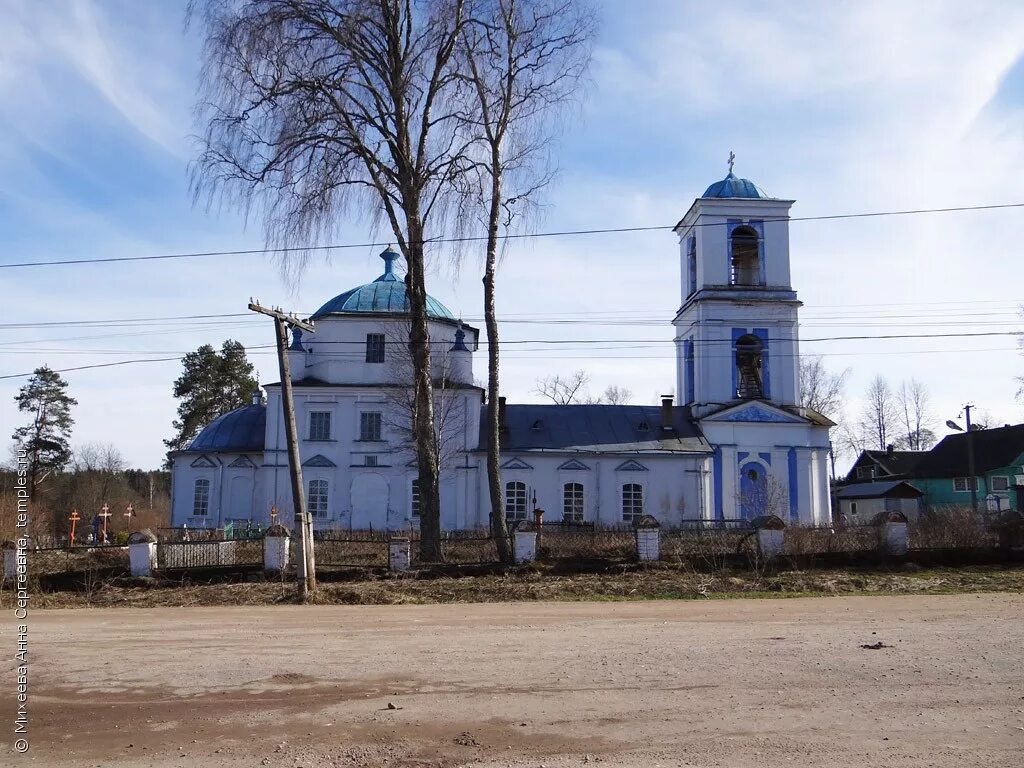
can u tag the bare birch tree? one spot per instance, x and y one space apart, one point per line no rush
821 390
564 390
522 61
880 417
915 416
315 110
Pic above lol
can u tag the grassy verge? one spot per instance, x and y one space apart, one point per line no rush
539 583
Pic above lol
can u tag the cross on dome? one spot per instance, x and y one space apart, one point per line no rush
732 160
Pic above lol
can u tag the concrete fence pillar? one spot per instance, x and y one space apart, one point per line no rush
895 539
276 544
398 555
771 536
142 553
10 561
526 544
648 539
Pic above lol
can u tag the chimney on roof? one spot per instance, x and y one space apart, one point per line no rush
890 448
257 396
502 424
666 411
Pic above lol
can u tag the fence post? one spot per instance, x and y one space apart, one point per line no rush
771 536
398 554
526 543
142 553
275 548
10 560
648 539
893 540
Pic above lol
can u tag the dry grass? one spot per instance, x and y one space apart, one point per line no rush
540 583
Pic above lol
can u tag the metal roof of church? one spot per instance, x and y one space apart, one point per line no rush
733 186
235 431
385 295
596 429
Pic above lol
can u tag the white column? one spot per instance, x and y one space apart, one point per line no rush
398 555
648 544
275 553
769 542
526 545
894 539
142 558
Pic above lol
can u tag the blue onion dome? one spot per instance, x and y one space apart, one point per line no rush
235 431
385 295
733 186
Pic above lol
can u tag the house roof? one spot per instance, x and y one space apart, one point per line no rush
896 462
597 429
385 295
993 449
898 488
235 431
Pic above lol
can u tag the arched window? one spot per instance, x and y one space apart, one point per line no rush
414 498
515 501
745 258
317 502
201 498
632 502
572 504
749 366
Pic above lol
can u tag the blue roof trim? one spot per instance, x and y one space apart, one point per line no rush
385 295
732 186
239 430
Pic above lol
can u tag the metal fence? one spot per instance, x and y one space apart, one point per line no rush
209 554
707 542
585 541
47 560
465 547
365 549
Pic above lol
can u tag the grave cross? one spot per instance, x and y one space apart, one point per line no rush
74 519
105 513
129 513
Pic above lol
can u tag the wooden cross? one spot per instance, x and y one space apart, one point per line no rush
74 519
105 513
129 512
732 159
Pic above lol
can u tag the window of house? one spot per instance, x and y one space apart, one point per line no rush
320 425
369 425
317 501
414 498
572 504
201 498
1000 483
745 259
961 485
515 501
853 507
749 366
632 502
865 473
375 347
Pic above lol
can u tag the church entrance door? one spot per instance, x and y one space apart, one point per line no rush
240 498
369 502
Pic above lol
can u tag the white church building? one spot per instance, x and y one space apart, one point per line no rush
736 445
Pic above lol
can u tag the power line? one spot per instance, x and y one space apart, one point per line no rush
479 238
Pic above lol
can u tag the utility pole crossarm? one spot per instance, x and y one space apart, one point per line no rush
279 315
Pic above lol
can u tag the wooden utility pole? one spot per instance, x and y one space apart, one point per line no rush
305 562
970 460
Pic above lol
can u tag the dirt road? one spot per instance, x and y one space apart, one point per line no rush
718 683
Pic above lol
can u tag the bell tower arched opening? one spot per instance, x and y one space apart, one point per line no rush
749 367
745 257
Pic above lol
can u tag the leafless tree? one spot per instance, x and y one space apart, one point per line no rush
880 417
98 457
915 416
821 390
522 62
616 395
318 109
564 390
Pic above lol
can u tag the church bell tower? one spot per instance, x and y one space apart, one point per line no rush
736 329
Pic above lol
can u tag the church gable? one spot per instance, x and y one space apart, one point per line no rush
203 462
319 461
631 466
242 462
756 413
574 465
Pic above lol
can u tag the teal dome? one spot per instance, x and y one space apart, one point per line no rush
385 295
733 186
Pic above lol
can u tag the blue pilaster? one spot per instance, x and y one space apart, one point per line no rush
794 495
716 461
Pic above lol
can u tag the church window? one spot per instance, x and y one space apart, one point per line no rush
691 264
370 426
317 503
320 425
749 367
414 498
745 259
515 501
572 505
201 498
632 502
375 347
369 461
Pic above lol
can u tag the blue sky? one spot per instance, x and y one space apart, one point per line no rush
844 106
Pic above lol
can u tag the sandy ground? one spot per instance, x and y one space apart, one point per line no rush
718 683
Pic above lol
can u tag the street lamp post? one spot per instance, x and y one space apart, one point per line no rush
972 481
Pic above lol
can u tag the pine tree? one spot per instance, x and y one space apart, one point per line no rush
46 438
212 383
